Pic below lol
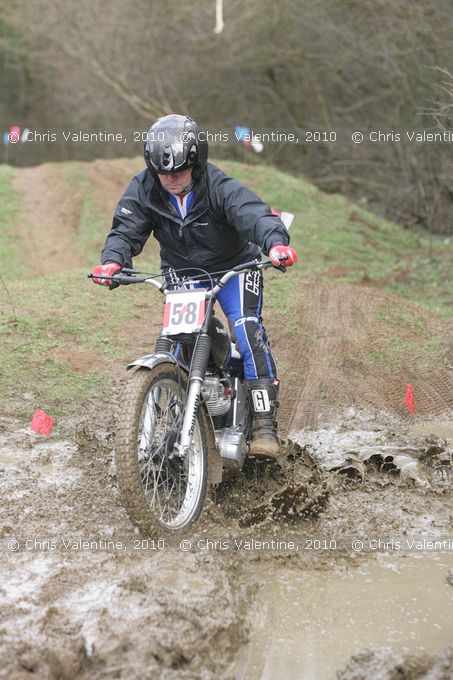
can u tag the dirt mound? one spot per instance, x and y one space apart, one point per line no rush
53 199
356 346
48 215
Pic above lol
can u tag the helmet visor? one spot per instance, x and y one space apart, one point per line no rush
171 150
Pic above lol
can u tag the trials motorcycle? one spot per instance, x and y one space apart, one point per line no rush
185 419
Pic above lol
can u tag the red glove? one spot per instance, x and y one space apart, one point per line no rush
108 269
282 256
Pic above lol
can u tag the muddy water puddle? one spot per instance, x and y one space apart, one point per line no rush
439 429
306 625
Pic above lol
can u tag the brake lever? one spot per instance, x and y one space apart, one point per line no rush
281 267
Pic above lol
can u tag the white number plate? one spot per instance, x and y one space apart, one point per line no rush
184 312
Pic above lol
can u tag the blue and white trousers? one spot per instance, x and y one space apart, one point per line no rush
241 300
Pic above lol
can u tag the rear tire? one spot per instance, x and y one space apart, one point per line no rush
161 491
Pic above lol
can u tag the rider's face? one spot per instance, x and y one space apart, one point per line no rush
177 183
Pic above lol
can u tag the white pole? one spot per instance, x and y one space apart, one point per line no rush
218 16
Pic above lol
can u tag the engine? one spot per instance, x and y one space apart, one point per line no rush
217 395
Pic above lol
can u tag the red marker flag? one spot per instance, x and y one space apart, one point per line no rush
409 400
42 423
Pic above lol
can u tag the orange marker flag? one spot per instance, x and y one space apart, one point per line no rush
409 400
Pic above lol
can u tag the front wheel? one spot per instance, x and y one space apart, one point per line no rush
160 489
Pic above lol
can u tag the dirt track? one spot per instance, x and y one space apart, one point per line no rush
100 610
96 610
51 210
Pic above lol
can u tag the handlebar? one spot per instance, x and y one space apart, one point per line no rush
131 276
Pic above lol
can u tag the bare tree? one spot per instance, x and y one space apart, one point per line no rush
317 64
442 110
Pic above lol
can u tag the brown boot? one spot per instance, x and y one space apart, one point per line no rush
263 402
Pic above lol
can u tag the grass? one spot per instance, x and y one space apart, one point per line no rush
10 246
395 350
336 240
63 311
339 241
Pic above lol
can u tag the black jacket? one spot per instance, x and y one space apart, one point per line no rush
227 224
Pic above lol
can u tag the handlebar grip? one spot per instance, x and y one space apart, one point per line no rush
268 263
118 279
254 264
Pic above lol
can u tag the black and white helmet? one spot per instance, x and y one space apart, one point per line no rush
175 143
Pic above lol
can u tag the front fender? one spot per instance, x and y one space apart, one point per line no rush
215 464
152 360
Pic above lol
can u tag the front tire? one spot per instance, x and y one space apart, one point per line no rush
160 489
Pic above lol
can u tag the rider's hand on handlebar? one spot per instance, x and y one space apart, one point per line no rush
282 256
108 269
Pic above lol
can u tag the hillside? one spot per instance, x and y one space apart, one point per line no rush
358 343
61 213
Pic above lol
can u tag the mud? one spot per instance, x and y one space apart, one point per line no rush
398 601
101 610
384 664
84 596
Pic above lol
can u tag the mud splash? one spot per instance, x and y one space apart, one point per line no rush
286 492
360 441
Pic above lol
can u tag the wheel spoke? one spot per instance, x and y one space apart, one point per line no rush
169 483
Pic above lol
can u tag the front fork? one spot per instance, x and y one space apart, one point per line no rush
196 378
198 366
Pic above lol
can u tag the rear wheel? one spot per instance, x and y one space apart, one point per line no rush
161 490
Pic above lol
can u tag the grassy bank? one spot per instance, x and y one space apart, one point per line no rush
339 241
63 340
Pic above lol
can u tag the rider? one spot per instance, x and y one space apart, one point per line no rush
203 218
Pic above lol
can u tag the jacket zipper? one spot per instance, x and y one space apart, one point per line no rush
175 219
192 219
